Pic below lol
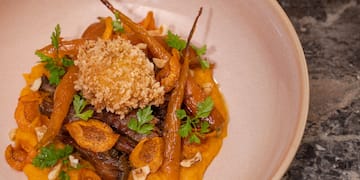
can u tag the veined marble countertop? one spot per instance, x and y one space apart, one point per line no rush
329 31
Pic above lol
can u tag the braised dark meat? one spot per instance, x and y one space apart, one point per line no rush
113 120
46 87
122 125
109 165
119 125
125 144
46 106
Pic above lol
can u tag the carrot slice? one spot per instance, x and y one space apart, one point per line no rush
92 134
27 114
15 157
148 152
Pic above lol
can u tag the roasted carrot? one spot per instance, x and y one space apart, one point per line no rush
194 94
155 47
69 48
169 75
108 28
172 139
149 22
94 31
62 100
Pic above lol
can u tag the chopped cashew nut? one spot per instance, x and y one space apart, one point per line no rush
164 30
36 84
40 131
160 63
140 173
55 171
141 46
73 161
159 32
193 160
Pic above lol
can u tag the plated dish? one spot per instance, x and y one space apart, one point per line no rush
126 100
267 99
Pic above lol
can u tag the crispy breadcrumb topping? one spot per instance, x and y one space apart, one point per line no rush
117 76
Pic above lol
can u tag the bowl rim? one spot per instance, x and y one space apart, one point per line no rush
305 92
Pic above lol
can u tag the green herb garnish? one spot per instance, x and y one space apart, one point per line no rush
56 71
200 52
67 62
56 66
55 37
142 124
49 156
175 41
79 105
190 126
117 25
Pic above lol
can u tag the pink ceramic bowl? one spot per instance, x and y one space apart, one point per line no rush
260 67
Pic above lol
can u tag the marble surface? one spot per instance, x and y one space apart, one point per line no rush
329 31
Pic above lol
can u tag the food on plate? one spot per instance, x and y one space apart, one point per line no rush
125 100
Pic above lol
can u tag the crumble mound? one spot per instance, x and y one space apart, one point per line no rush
117 76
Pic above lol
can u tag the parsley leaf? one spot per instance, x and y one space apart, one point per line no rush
53 65
204 108
142 124
146 128
175 41
66 62
56 71
181 114
185 129
79 105
55 37
43 57
117 25
200 52
144 115
204 64
133 124
189 126
49 156
194 139
204 128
